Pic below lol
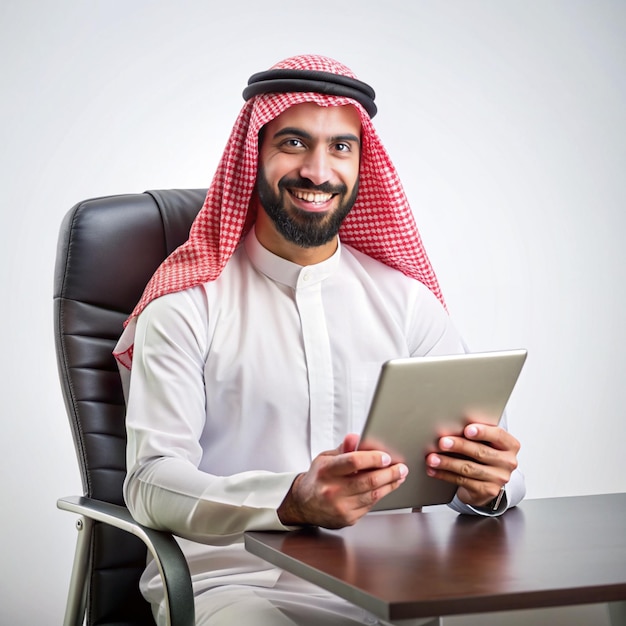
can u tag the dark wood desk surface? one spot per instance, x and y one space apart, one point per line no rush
551 552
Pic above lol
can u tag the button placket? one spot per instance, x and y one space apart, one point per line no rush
318 357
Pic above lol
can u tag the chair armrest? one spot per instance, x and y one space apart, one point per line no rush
162 545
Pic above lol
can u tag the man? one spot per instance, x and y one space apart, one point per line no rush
254 351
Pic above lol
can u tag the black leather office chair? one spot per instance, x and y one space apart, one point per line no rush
108 249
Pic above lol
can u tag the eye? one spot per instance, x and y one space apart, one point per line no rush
292 144
343 147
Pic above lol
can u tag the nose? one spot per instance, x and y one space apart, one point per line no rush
316 165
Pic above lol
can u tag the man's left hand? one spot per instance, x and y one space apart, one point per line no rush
490 456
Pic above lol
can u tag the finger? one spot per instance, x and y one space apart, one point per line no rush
350 443
496 436
477 451
358 461
470 490
462 471
370 487
481 451
373 480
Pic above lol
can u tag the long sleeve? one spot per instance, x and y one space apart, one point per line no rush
165 421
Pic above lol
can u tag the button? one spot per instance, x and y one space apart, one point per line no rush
306 277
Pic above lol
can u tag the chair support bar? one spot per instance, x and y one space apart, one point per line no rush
163 547
77 593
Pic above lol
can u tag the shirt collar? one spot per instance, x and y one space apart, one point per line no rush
284 271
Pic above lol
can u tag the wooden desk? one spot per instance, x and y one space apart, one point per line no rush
399 566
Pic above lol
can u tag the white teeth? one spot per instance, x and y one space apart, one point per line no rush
309 196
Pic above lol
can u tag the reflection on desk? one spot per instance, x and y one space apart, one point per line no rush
551 552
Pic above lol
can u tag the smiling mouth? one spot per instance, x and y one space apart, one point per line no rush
310 196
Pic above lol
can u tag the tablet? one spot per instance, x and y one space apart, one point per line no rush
419 399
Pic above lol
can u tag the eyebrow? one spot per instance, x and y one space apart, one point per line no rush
298 132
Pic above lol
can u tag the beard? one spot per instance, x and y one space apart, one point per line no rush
303 228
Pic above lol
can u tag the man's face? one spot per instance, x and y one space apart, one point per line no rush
308 171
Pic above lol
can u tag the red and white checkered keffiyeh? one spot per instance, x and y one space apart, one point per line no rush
380 224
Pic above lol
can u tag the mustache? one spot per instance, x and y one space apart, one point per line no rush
306 184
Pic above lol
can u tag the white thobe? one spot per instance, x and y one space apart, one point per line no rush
238 383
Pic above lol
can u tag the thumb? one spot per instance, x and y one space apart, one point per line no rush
350 443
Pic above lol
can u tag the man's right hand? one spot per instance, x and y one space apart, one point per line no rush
340 487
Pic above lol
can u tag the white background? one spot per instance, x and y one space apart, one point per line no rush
505 120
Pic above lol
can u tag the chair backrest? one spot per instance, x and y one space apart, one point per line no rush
108 249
